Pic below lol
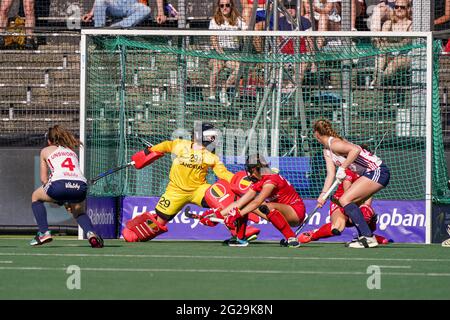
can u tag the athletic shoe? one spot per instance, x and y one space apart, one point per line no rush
252 237
237 243
41 238
305 237
446 243
364 242
94 240
293 242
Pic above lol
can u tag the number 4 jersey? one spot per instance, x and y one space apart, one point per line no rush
64 165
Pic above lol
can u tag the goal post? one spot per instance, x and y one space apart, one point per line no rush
376 88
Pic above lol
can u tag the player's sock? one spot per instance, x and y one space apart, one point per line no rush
241 227
85 223
323 232
353 211
278 220
40 214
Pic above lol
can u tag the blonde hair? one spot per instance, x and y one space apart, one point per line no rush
219 18
394 17
61 137
324 128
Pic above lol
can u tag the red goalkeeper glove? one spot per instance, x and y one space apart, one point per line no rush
205 218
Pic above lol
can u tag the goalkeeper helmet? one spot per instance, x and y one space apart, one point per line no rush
205 134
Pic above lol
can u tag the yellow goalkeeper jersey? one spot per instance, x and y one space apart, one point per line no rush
190 167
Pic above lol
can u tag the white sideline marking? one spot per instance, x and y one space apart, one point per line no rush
410 274
6 262
213 257
395 267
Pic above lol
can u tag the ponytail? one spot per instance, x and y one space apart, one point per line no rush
61 137
324 128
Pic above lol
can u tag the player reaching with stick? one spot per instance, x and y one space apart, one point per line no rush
66 185
339 221
187 179
270 196
374 176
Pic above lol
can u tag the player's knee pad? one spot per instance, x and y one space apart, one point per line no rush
336 232
264 209
146 226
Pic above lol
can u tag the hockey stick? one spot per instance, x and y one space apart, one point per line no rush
324 197
110 171
189 214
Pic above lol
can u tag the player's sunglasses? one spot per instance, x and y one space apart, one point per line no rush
225 5
400 7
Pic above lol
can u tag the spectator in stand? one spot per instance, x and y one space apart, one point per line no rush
132 12
327 14
287 44
446 17
30 22
260 19
358 7
227 18
388 65
381 13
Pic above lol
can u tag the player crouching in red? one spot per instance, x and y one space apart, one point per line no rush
339 221
270 196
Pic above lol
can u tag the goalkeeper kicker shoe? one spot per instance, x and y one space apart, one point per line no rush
94 240
41 238
446 243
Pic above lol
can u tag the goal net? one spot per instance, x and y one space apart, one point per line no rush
263 91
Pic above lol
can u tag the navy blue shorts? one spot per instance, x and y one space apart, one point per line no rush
66 191
260 15
380 175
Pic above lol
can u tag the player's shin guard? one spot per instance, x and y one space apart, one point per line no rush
146 226
353 211
278 220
